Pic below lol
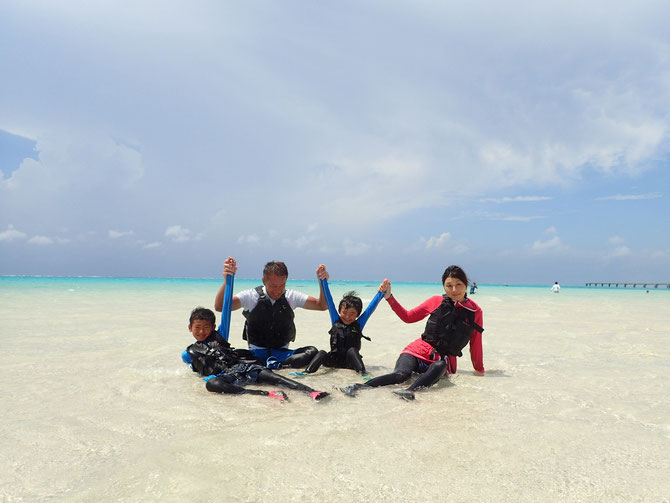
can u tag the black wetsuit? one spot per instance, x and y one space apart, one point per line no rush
233 367
345 346
405 365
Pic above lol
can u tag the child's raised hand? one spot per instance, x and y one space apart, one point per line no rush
385 287
321 272
229 266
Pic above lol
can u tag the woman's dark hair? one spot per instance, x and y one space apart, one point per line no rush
350 299
202 313
454 271
276 268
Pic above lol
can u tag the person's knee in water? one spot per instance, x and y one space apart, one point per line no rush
300 358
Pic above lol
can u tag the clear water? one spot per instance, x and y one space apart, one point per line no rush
97 405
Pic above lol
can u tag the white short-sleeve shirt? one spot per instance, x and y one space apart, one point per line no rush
249 298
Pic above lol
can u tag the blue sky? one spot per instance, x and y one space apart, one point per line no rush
527 142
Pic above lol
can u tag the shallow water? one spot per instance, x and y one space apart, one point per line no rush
98 406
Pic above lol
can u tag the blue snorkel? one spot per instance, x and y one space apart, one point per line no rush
224 328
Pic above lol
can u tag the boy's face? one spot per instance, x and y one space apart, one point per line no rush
348 314
201 329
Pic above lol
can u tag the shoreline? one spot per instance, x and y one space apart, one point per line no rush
587 286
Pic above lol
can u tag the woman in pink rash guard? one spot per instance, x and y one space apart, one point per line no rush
455 321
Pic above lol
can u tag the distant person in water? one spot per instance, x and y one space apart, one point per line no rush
473 287
268 308
346 331
556 288
227 370
454 322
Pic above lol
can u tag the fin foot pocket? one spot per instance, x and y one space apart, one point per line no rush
319 395
279 395
405 394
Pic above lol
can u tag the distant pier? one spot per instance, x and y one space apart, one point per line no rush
626 285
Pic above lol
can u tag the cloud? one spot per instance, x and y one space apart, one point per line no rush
660 254
40 240
630 197
11 234
496 216
517 218
178 234
46 240
210 115
615 240
353 248
149 246
550 230
552 244
516 199
620 251
248 239
119 234
299 242
459 249
436 242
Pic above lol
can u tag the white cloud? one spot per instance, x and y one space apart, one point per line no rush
660 254
517 218
370 187
516 199
353 248
615 240
12 234
119 234
630 197
550 230
259 133
549 245
620 251
299 242
40 240
506 218
178 234
436 242
459 249
248 239
149 246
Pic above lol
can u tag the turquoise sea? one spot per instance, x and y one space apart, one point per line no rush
20 284
97 405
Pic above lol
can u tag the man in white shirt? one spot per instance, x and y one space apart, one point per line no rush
268 308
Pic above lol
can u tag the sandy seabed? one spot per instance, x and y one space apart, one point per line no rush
97 405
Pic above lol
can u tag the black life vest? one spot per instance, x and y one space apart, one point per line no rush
343 337
212 356
450 327
269 325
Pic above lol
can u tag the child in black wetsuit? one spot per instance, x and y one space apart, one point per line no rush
229 368
347 329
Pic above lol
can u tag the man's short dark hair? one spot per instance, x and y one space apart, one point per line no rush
276 268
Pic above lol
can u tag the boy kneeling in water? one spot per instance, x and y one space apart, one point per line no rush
347 329
229 368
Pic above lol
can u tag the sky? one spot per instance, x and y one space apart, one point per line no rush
528 142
